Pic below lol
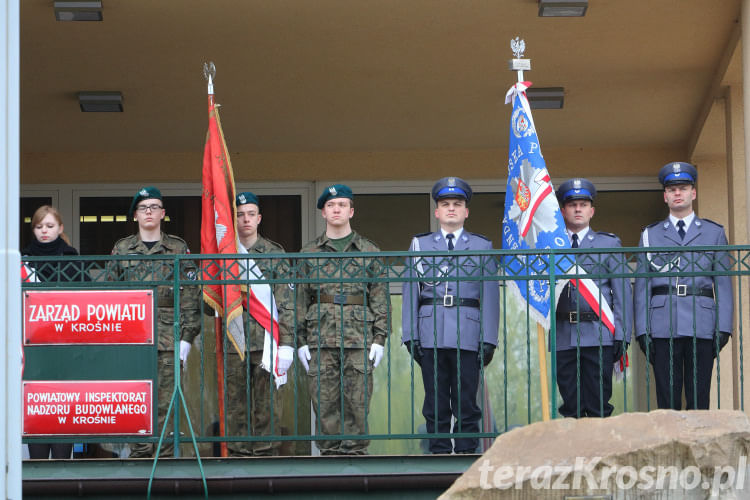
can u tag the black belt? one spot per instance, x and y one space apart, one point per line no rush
342 300
682 291
576 317
449 301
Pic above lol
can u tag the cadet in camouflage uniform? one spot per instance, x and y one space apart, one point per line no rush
338 323
150 240
263 392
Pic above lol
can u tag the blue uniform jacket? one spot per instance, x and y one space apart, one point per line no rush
616 291
441 326
672 315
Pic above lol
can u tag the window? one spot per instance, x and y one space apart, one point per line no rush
104 220
391 220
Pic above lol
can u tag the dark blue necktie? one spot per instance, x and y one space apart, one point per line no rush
681 229
575 240
450 237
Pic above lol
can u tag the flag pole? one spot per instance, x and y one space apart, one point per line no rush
543 384
209 72
220 381
519 65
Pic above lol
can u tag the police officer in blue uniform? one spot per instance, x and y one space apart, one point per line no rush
584 344
450 326
678 319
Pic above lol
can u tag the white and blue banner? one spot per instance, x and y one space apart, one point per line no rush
532 215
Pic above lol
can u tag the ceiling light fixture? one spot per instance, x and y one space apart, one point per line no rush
546 98
69 10
563 8
102 102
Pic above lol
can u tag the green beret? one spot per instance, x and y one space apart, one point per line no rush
146 193
245 198
335 191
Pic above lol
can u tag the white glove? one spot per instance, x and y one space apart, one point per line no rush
376 354
184 351
286 356
303 353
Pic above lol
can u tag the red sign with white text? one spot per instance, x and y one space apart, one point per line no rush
88 317
118 407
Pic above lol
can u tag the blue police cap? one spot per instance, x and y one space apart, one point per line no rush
335 191
451 187
678 172
245 198
145 193
576 189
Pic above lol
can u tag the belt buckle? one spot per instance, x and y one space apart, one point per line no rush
573 317
447 300
339 299
681 290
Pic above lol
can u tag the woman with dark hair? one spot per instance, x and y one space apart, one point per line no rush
51 241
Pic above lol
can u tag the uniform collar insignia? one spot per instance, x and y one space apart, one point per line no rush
666 224
697 222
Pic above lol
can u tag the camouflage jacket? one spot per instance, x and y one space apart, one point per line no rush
135 271
282 293
320 321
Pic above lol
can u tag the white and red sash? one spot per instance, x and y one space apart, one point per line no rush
589 290
261 305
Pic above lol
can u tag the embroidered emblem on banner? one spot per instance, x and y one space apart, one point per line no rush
521 125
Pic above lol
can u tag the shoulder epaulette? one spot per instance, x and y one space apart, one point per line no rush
172 236
274 244
605 233
121 241
653 224
423 234
482 236
712 222
367 240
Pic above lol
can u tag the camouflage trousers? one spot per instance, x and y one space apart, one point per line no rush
337 381
265 406
165 374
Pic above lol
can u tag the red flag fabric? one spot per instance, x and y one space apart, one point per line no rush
219 231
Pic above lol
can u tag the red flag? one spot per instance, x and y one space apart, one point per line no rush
218 229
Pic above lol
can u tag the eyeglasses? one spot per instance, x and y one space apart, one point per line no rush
153 208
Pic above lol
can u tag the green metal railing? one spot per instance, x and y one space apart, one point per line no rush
509 386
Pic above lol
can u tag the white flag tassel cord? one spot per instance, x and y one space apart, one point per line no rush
261 305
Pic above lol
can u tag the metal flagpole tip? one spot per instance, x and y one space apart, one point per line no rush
518 46
209 73
518 63
209 70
